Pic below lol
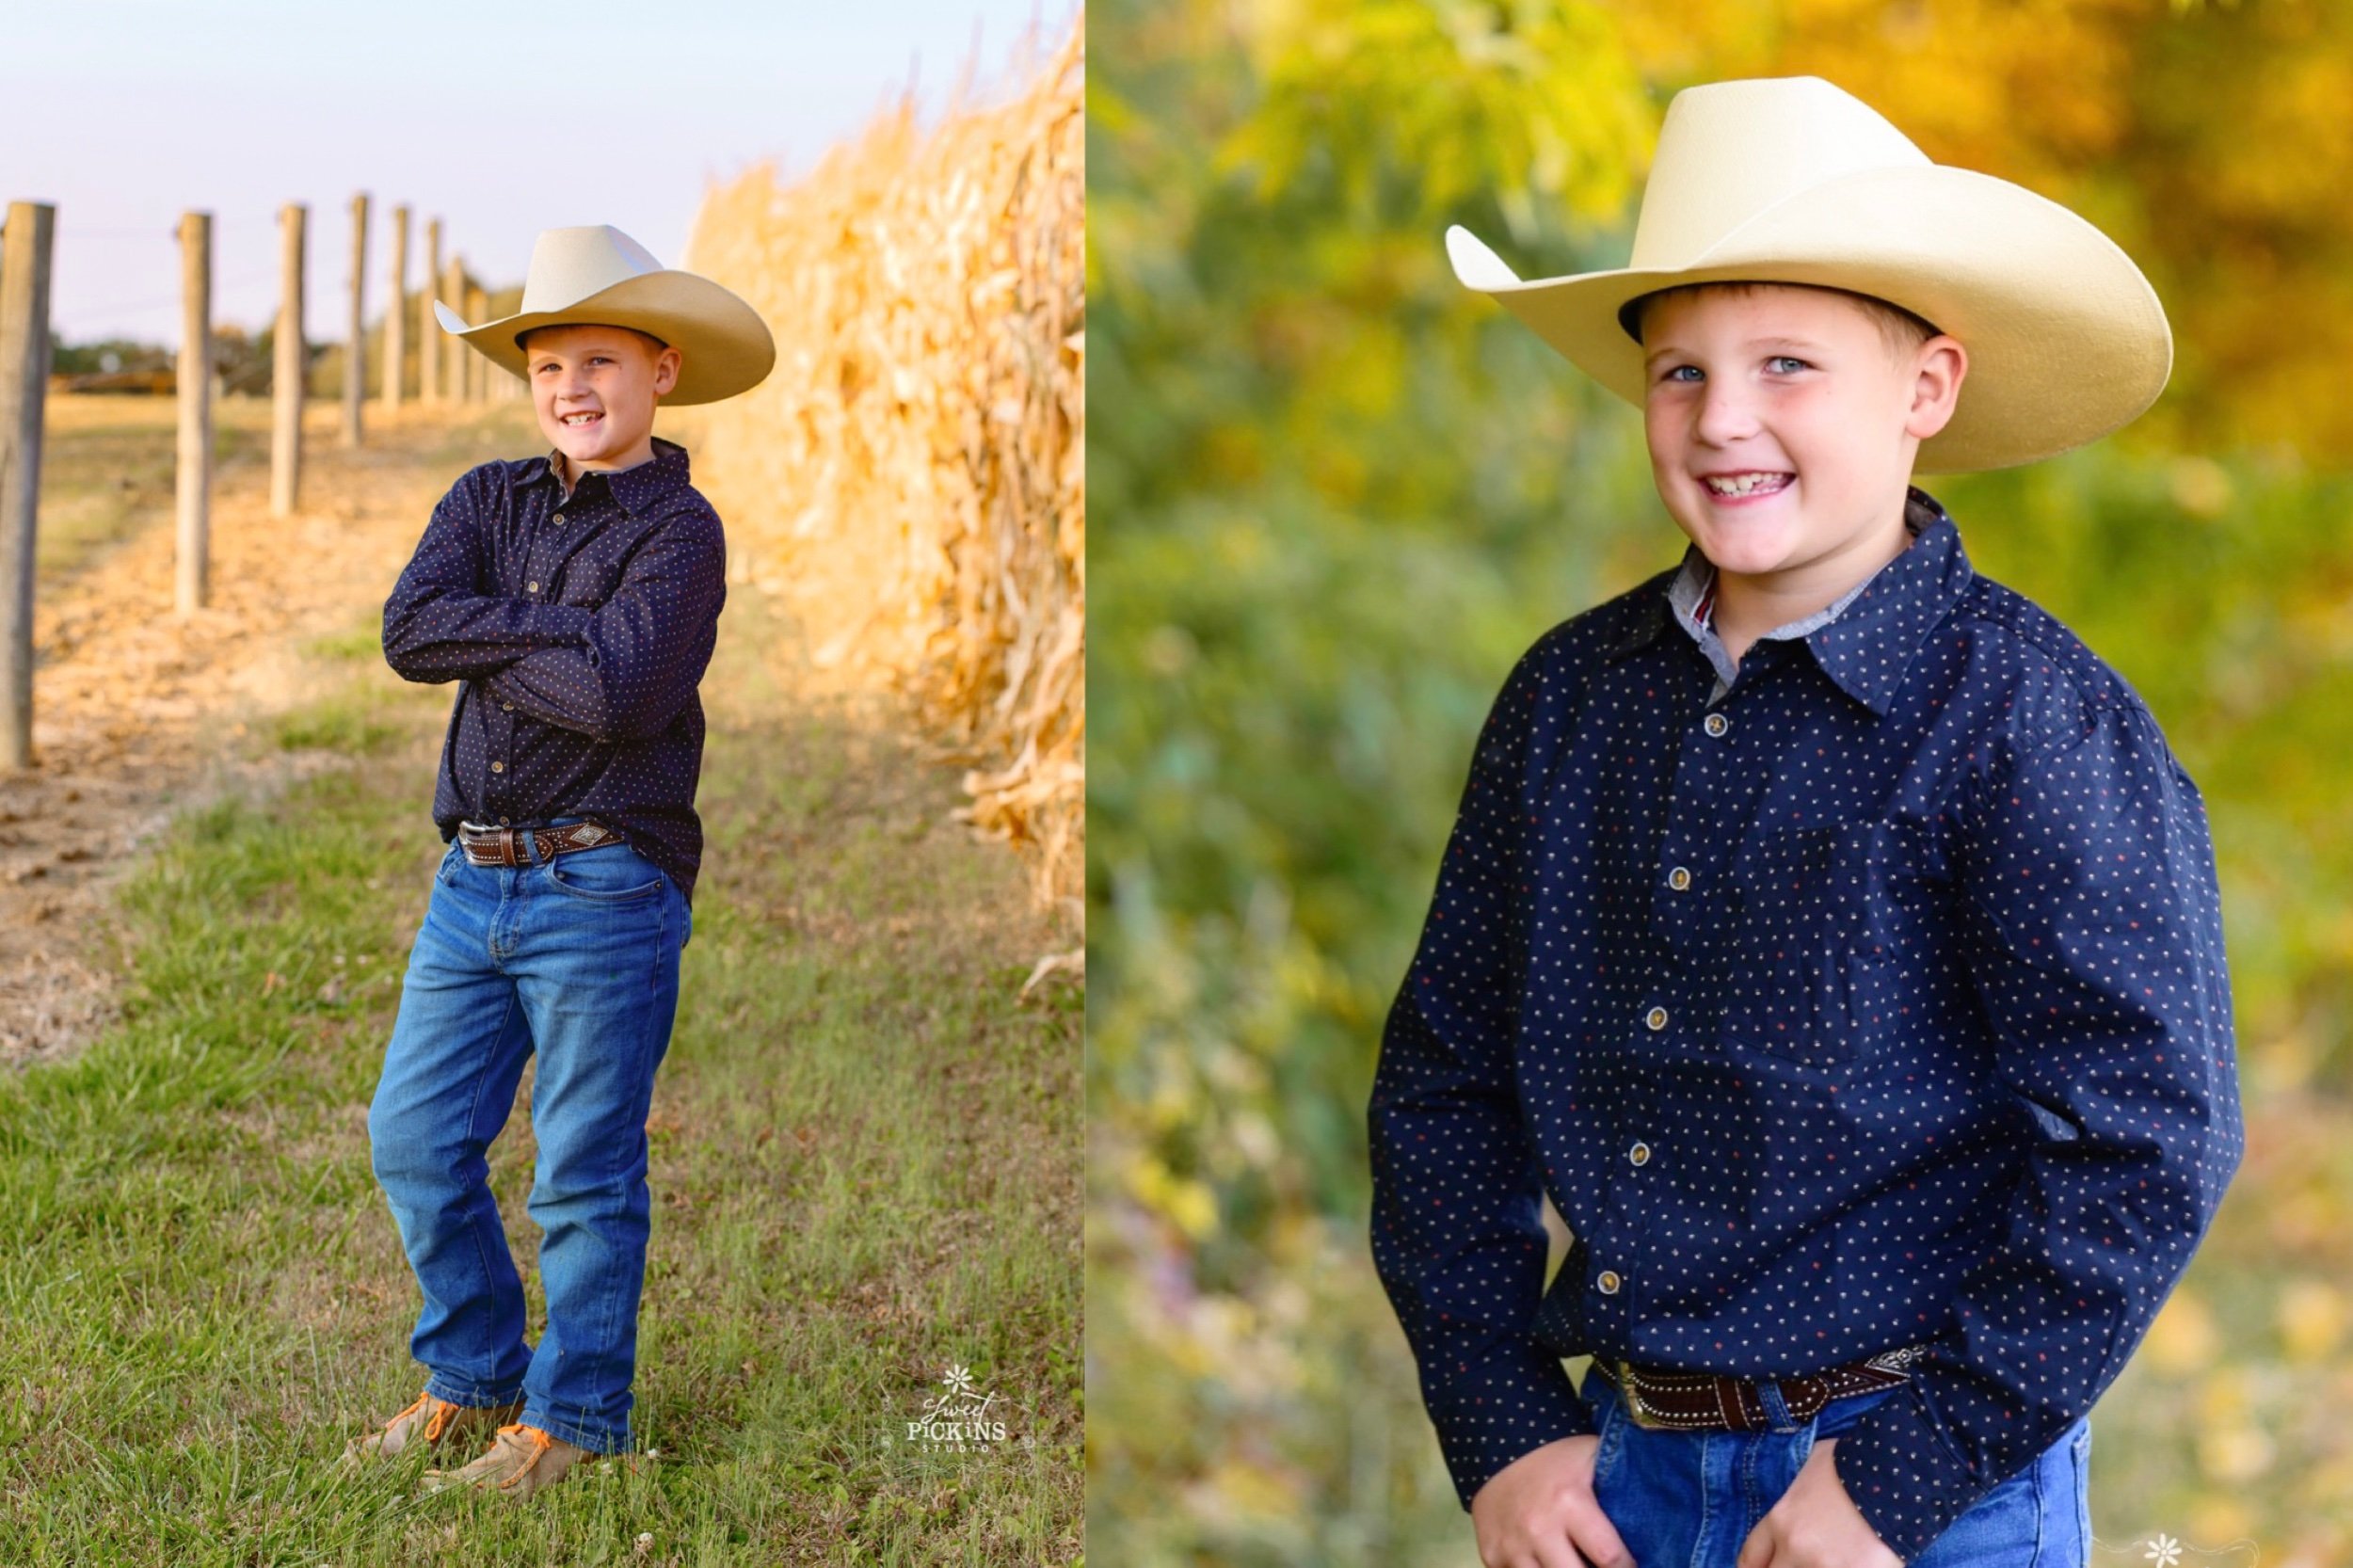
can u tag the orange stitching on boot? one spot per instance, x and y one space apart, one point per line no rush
414 1405
540 1442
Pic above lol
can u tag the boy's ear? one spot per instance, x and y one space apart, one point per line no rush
1936 392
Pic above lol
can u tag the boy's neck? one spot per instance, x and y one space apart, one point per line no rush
568 472
1742 613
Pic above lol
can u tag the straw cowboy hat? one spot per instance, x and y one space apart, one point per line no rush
596 274
1793 180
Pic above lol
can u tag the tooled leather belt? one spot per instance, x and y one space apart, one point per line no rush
503 846
1715 1402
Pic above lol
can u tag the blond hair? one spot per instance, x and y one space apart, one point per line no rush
1901 330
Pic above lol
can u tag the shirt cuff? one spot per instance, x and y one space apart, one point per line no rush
1908 1483
1503 1408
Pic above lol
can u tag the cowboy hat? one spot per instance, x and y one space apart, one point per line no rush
1793 180
595 274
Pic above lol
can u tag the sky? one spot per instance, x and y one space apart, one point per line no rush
499 117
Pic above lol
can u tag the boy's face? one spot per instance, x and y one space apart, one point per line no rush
1797 383
594 389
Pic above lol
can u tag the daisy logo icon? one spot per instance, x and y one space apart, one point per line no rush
956 1420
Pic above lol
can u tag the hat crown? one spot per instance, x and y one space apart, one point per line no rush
1730 151
569 264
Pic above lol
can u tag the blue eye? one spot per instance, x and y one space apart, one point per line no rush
1670 373
1785 359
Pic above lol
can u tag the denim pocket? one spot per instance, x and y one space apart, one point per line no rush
615 873
447 870
1610 1419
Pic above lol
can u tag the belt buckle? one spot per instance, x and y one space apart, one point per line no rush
502 842
1634 1406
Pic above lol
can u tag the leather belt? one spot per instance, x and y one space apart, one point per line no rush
501 846
1660 1396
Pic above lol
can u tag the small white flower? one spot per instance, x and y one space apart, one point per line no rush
644 1542
2165 1551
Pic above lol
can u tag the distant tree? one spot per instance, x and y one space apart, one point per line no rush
105 356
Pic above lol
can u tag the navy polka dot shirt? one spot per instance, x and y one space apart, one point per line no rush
1868 993
580 627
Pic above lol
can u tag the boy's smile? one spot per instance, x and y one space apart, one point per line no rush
1782 429
594 389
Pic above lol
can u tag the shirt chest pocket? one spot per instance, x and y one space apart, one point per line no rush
1828 937
586 580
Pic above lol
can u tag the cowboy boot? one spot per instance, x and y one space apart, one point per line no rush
520 1461
430 1422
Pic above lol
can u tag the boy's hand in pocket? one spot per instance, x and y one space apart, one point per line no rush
1816 1525
1538 1512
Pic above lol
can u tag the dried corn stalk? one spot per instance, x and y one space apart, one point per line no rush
911 478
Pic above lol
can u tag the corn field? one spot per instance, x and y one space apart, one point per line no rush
911 477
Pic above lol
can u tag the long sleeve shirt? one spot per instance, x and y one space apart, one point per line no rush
579 629
1867 992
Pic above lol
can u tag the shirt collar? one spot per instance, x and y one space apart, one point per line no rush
1868 644
636 488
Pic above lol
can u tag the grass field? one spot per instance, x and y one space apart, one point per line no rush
865 1170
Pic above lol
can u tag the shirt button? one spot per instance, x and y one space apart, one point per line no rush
1609 1282
558 518
1639 1153
508 706
501 822
1680 878
497 767
1655 1017
535 587
1715 724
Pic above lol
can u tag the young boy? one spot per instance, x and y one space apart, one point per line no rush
1828 932
575 597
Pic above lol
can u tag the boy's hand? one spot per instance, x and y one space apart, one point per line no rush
1816 1525
1538 1512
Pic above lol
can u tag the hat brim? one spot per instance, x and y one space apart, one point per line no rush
724 347
2066 339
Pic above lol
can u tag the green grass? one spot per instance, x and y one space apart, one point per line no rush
865 1169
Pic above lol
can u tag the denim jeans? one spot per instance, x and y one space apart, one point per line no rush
577 959
1688 1499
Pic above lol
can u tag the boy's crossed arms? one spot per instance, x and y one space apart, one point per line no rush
618 671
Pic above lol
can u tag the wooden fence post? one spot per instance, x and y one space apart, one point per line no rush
290 368
429 335
194 467
356 353
396 313
24 249
454 362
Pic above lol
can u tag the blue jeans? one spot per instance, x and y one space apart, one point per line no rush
1688 1499
576 958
